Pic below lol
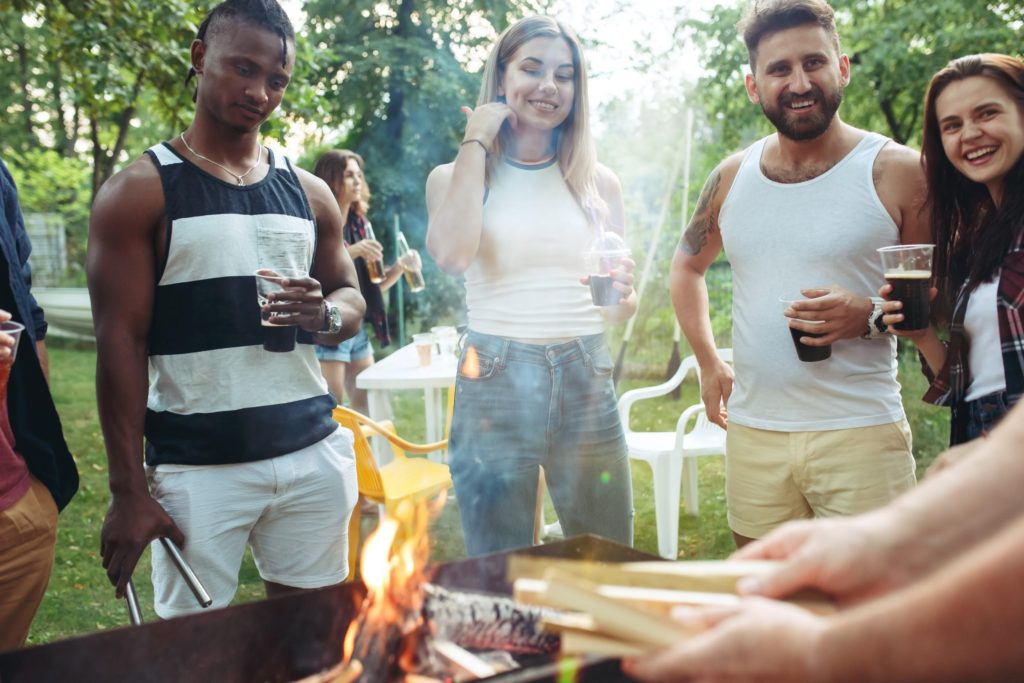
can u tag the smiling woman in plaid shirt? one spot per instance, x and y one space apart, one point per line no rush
974 158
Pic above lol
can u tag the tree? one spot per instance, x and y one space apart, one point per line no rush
392 79
894 46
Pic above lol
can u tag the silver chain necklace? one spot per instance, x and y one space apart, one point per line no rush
239 178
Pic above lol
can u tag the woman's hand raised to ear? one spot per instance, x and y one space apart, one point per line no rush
484 122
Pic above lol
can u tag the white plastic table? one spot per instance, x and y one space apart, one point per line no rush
401 371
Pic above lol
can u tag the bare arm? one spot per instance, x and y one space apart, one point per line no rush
963 623
333 273
122 231
699 247
455 192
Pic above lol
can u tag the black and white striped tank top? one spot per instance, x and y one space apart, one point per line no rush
215 396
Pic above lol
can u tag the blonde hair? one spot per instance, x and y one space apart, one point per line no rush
575 151
330 168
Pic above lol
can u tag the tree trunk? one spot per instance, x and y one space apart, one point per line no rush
26 99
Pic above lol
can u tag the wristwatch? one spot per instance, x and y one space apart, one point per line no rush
876 328
332 319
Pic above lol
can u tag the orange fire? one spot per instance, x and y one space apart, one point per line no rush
471 363
393 567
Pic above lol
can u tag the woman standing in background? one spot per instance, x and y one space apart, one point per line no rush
342 170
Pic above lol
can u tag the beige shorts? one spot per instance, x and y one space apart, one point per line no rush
292 510
773 477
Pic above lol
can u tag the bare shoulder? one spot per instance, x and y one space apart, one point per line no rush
319 194
898 163
437 184
607 182
899 180
726 171
131 199
440 176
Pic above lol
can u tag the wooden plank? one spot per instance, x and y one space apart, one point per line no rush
705 577
618 620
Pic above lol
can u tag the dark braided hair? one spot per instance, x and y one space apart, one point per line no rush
266 14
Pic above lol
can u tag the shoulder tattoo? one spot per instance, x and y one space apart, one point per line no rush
702 222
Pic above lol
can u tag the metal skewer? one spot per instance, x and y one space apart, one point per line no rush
134 610
194 584
183 567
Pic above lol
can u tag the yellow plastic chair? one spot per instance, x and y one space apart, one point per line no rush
403 478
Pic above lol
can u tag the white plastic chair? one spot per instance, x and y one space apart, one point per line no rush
667 452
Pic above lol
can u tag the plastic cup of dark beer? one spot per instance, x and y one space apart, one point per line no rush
278 337
908 269
603 258
808 354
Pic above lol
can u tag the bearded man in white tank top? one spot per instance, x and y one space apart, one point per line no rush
800 214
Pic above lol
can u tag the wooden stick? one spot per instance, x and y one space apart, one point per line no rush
707 577
464 662
659 600
618 620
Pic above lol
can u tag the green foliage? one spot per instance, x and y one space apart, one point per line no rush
391 81
51 183
894 46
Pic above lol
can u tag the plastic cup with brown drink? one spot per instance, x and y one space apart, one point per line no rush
908 269
424 343
13 329
602 259
374 266
278 336
808 354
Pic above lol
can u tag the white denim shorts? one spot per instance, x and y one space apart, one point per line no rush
293 510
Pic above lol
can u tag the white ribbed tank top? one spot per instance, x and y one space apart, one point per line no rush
781 238
524 282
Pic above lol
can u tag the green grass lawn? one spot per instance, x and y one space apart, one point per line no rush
80 600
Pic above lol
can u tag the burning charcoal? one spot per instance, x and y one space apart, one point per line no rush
487 622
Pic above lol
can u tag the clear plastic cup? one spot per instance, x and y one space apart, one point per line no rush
278 335
446 337
13 329
808 354
424 343
601 259
908 269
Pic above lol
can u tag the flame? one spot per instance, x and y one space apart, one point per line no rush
393 566
471 363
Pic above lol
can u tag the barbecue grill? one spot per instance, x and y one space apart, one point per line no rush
285 638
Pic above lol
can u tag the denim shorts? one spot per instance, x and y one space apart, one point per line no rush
982 414
356 348
521 406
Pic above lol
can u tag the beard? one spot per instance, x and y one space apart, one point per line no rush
802 128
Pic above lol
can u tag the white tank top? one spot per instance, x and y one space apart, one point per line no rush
525 280
985 355
781 238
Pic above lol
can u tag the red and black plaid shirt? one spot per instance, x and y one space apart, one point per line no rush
949 386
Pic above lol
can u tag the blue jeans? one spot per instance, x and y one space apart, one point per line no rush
522 406
982 414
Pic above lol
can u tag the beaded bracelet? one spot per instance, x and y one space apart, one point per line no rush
479 142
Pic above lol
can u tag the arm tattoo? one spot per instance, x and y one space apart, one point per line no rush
702 222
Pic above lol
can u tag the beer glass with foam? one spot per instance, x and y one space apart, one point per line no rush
908 269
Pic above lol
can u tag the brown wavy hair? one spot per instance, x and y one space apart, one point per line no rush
971 234
330 168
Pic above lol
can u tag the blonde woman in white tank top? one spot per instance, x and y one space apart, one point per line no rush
514 213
